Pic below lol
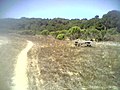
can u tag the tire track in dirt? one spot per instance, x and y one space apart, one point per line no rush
20 80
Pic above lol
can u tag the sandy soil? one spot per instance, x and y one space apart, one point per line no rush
20 79
3 40
11 47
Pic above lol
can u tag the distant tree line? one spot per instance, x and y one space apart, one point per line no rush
97 28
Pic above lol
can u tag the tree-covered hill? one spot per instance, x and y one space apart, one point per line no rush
112 20
93 28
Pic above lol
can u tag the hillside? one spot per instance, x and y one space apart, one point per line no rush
101 29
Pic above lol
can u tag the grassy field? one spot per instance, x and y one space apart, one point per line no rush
58 65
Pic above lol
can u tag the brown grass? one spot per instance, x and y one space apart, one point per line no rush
57 65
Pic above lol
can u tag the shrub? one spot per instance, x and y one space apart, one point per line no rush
27 32
60 36
54 34
74 30
45 32
112 31
63 32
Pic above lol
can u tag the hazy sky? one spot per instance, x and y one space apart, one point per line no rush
56 8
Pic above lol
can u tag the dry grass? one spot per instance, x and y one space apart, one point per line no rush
57 65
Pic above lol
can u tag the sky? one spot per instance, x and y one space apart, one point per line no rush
69 9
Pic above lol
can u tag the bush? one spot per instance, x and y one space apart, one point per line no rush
63 32
45 32
60 36
74 32
112 31
27 32
54 34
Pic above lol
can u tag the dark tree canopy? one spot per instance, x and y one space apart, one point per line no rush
112 20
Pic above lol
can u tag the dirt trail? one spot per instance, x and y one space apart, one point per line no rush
20 79
3 40
0 42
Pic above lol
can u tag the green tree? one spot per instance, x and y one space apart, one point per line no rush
74 32
112 20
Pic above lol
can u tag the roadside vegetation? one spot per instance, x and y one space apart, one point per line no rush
106 28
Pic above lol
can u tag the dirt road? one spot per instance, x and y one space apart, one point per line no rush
9 49
20 79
